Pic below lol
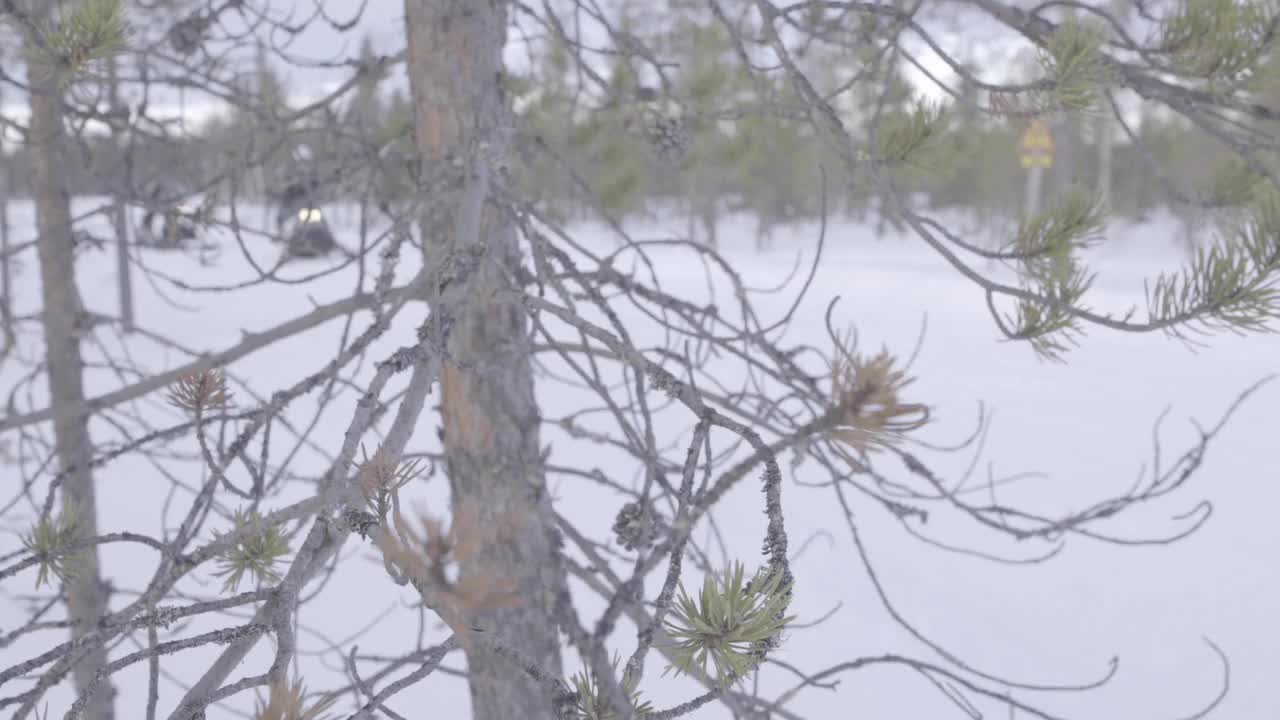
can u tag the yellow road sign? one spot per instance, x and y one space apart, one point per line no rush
1036 159
1037 145
1037 136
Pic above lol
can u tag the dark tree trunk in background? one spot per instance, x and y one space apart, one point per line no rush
122 176
6 268
1068 144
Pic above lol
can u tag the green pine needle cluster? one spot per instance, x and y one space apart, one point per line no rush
1219 40
1046 324
92 31
1045 242
1231 284
1046 246
256 551
910 140
728 625
49 540
1073 59
592 703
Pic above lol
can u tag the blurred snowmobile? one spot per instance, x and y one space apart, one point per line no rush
300 224
307 235
177 227
170 229
168 224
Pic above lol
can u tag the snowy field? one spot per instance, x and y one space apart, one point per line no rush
1087 425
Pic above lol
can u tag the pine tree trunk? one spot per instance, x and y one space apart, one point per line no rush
490 418
710 223
1120 10
119 213
6 268
1106 151
1068 141
86 594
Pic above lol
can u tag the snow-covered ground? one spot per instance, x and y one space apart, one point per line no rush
1086 425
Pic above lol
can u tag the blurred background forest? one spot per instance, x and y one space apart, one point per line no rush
758 163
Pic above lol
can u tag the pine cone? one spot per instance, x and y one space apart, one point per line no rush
359 521
636 527
668 136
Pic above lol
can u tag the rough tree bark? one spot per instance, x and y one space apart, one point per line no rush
86 593
490 418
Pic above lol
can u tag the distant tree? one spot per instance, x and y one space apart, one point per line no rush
776 174
707 82
605 141
366 111
979 169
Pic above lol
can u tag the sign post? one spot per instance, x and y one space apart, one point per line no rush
1036 154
